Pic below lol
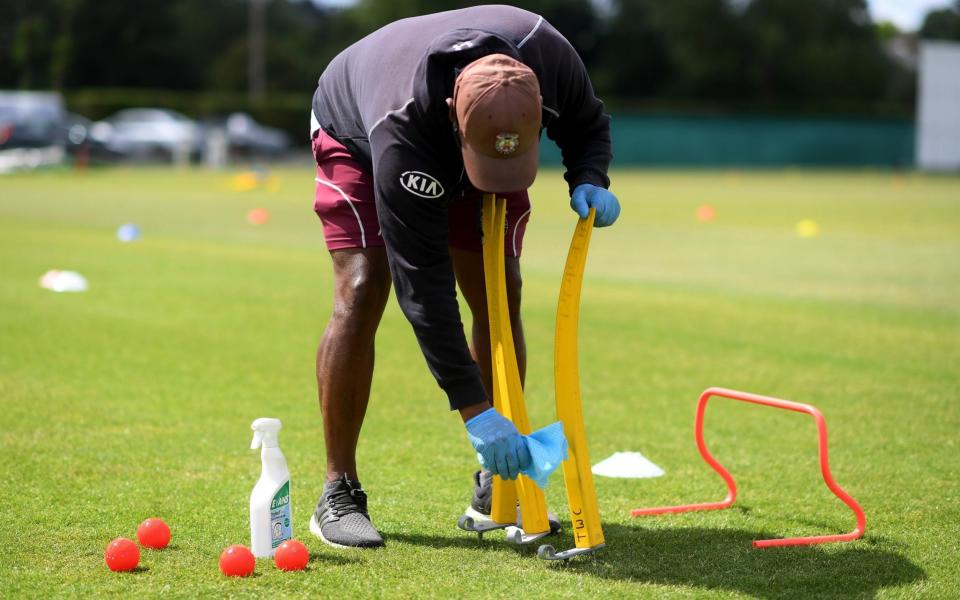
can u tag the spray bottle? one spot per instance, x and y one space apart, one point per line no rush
270 520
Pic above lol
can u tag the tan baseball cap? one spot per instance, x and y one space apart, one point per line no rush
496 100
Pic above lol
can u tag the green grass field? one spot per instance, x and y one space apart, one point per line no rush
134 399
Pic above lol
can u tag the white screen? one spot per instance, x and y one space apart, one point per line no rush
938 107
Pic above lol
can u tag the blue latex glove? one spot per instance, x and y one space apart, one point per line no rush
587 196
500 447
548 448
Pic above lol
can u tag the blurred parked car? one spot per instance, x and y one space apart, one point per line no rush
148 133
246 137
31 129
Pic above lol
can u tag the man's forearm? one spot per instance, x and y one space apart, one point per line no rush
469 412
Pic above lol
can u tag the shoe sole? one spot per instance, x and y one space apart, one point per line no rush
478 517
316 531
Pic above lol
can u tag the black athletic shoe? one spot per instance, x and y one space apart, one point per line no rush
482 492
482 499
341 519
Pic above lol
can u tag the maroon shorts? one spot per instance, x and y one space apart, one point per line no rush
344 202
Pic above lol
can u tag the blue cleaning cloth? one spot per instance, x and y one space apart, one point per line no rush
548 448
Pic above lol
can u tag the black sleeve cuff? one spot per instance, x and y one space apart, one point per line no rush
466 394
594 177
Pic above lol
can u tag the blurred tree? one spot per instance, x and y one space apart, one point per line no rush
709 50
61 50
135 44
943 24
887 31
824 52
634 55
301 40
210 31
25 40
373 14
256 51
30 50
311 38
575 19
768 54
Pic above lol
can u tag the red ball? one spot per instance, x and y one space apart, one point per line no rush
237 561
122 555
153 533
291 556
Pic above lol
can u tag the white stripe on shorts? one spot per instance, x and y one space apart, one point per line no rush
363 234
516 229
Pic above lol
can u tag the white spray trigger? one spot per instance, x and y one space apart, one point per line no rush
265 432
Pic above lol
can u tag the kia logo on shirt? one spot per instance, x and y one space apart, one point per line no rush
421 184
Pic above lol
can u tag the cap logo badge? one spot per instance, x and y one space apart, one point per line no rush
507 143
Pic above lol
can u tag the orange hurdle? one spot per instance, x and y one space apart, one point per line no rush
732 485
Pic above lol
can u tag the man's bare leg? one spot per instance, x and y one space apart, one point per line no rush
345 355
